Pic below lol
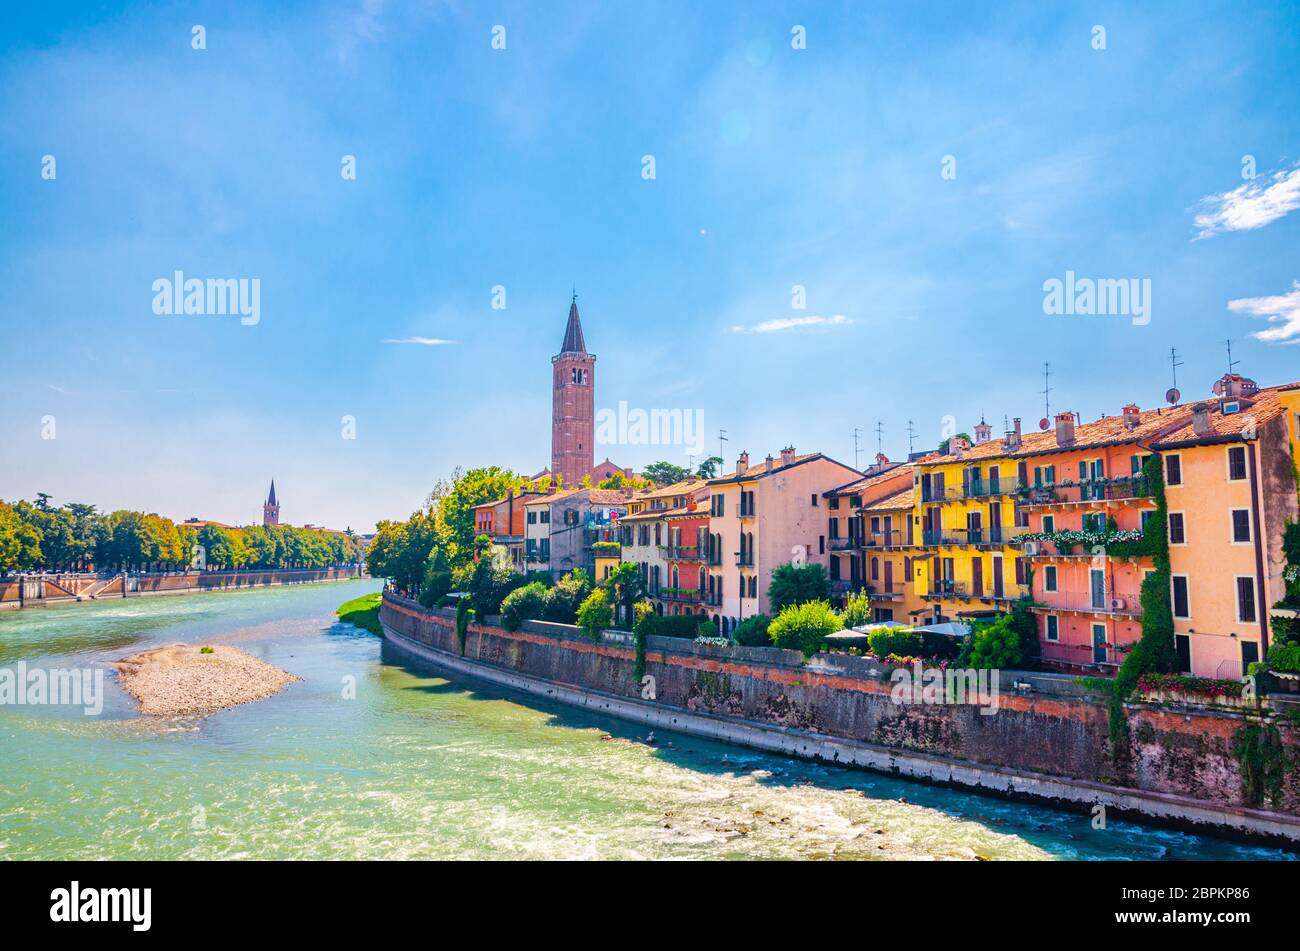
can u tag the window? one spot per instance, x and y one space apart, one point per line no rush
1177 529
546 516
1049 577
821 544
835 502
1241 525
1182 606
1236 463
1246 600
1049 523
532 518
813 501
1249 654
1173 470
1053 631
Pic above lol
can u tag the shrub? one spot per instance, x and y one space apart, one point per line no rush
857 610
897 640
523 604
595 614
564 599
437 578
464 614
797 584
753 631
205 649
995 645
1285 657
684 625
804 627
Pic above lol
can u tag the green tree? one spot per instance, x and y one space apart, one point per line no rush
454 506
437 578
564 599
797 584
804 627
491 578
20 542
710 468
523 604
753 631
595 614
625 587
996 645
665 473
857 609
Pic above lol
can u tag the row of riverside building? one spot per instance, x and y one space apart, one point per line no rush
963 535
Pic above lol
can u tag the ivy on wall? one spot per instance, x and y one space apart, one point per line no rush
1155 651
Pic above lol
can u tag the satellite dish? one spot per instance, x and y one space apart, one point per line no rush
1043 423
1173 396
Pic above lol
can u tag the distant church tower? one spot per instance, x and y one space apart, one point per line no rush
573 431
271 508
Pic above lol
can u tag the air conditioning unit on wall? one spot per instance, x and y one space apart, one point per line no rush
1117 604
1032 548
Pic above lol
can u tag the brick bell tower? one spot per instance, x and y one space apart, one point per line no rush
271 508
573 380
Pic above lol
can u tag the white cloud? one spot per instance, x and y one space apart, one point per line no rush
1283 310
780 324
422 341
1253 205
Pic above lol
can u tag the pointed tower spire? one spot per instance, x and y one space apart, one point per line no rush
573 342
270 499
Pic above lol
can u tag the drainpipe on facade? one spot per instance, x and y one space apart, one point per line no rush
1262 608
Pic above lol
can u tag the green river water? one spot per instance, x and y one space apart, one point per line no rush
416 766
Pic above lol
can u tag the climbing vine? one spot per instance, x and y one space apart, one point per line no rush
464 613
1258 750
1155 651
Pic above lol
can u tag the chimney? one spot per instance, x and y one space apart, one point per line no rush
882 460
742 464
958 446
1132 416
1064 428
1201 420
767 463
1013 435
983 432
787 455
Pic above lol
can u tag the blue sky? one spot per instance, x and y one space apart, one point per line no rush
774 167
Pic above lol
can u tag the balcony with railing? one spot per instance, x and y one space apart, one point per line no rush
682 552
889 539
1113 603
682 595
988 488
745 559
849 586
946 588
848 543
1118 489
878 589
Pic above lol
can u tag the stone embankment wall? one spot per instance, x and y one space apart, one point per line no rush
1048 739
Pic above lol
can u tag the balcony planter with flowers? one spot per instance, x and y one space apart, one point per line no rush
1202 691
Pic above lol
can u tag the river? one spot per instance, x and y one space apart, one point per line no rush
367 758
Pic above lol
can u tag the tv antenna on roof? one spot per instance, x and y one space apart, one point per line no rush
880 438
722 437
911 436
1231 362
1173 396
856 451
1046 421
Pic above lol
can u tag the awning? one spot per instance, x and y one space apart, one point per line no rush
949 629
